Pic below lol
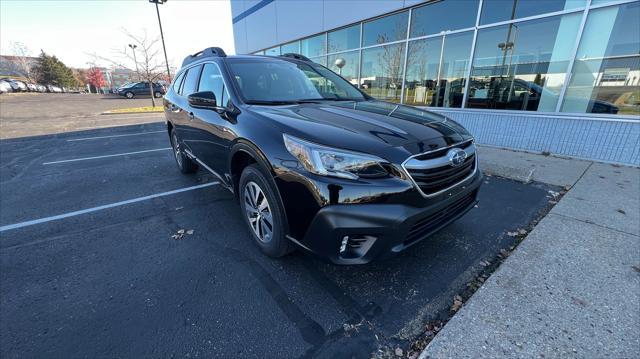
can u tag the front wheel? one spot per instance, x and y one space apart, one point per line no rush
263 212
157 94
185 164
129 95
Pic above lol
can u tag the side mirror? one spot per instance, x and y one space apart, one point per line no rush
204 99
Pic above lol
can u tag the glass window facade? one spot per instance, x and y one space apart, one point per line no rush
313 46
606 73
290 48
385 29
344 39
502 10
382 71
350 64
572 56
522 66
436 17
274 51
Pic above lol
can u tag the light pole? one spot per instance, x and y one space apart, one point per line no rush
133 48
340 62
160 2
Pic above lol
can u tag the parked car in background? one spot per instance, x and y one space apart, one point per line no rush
52 88
41 88
5 86
141 89
32 87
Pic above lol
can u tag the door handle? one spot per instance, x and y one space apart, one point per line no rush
191 116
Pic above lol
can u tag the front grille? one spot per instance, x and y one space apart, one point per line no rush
436 174
426 225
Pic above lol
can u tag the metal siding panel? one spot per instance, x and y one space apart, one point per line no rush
599 140
261 28
340 13
297 19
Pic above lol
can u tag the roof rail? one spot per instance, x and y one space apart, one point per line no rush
296 56
208 52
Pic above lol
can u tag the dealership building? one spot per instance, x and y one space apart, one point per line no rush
558 76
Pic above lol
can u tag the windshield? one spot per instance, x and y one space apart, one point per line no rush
279 82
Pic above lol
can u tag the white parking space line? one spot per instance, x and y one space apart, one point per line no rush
112 136
103 207
105 156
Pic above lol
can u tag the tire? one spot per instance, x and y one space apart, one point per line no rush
129 95
185 164
157 94
260 218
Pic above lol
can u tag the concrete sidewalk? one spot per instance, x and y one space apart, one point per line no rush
572 287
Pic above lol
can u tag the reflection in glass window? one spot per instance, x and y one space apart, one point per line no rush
423 63
349 70
385 29
211 80
322 60
344 39
381 71
501 10
453 71
522 66
258 53
606 73
290 48
443 15
313 46
274 51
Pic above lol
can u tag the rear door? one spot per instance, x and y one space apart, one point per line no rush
184 116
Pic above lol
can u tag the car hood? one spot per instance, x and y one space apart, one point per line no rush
375 127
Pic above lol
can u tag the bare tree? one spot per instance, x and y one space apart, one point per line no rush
149 63
22 62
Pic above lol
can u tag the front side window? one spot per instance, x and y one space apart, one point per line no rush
522 66
386 29
278 82
211 80
381 71
606 72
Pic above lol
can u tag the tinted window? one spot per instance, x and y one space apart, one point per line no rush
313 46
386 29
344 39
191 81
211 80
443 15
501 10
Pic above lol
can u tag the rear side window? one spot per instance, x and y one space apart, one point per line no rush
191 81
211 80
177 81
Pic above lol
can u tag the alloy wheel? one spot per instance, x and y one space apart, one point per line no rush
258 212
176 149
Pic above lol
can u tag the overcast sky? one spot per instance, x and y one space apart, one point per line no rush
71 29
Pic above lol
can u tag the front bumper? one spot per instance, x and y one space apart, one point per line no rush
358 233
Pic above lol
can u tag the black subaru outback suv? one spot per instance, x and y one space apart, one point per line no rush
314 162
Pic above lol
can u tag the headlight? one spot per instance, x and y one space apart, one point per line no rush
328 161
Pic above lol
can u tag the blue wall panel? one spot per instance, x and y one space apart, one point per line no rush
597 139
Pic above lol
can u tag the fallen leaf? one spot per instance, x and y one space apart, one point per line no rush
399 352
190 232
181 231
621 211
512 234
522 232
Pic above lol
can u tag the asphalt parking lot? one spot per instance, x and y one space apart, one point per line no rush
89 267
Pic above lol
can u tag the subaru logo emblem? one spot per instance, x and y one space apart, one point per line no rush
456 157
